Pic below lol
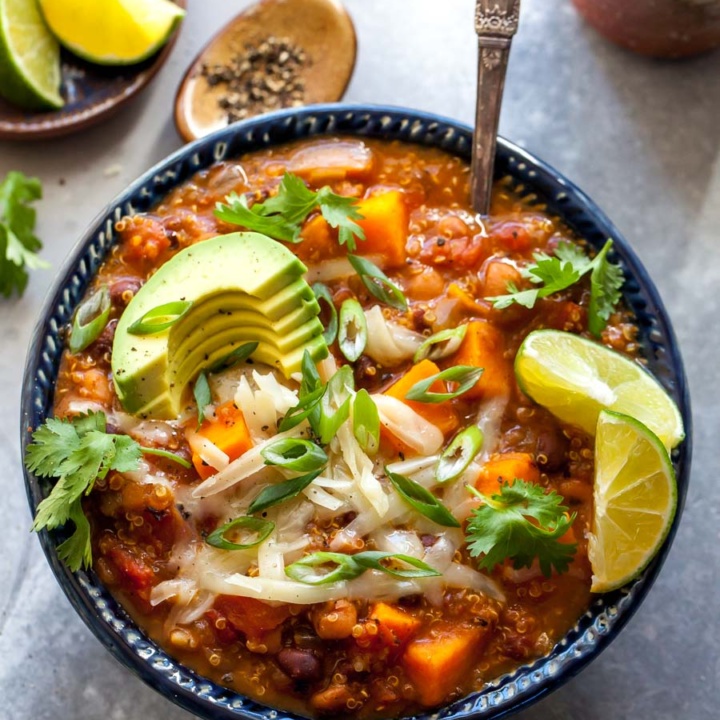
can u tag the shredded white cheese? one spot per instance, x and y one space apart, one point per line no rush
351 482
408 426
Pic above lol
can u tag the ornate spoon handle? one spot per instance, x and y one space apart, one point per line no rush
496 21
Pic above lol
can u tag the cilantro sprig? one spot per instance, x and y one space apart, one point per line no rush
522 522
18 243
555 273
282 215
78 452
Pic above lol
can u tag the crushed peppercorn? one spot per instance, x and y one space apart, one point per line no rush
264 77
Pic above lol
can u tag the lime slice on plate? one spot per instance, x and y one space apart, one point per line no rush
635 500
29 57
576 378
112 32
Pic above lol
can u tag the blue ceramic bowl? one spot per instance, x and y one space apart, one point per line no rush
607 614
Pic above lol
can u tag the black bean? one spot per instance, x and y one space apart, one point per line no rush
551 449
300 665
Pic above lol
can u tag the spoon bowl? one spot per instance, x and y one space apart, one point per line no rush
321 29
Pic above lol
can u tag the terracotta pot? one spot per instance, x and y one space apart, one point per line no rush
660 28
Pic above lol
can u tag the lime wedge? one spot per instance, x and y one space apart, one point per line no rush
576 378
635 500
112 32
29 57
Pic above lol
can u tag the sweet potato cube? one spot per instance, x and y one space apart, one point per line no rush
483 347
435 664
228 432
319 242
505 468
465 299
385 223
440 414
395 626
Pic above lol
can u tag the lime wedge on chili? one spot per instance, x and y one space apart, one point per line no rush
112 32
635 499
576 378
29 57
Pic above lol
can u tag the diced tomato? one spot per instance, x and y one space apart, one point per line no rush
224 630
252 617
512 236
563 315
463 253
134 571
143 239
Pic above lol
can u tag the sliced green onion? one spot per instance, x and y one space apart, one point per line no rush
378 283
306 406
375 560
310 377
466 375
447 341
238 355
422 500
322 292
203 396
167 455
256 529
308 570
335 404
353 333
275 494
366 422
160 318
459 454
90 320
295 454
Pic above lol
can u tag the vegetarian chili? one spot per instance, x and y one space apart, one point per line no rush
372 524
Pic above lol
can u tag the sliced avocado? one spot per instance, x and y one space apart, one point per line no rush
243 287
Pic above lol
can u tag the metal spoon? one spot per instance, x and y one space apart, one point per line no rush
496 21
322 29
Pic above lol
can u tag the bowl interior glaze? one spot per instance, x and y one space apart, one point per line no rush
108 621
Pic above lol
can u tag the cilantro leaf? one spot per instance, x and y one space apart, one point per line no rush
18 243
77 452
76 551
282 215
556 273
340 212
605 283
522 522
237 212
294 200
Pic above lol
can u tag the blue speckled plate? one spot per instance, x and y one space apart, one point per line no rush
608 613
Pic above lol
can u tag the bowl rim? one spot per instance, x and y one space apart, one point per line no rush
500 697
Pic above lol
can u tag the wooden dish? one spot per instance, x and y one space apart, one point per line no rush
322 28
91 92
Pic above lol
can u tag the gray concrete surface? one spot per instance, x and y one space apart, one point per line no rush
641 137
